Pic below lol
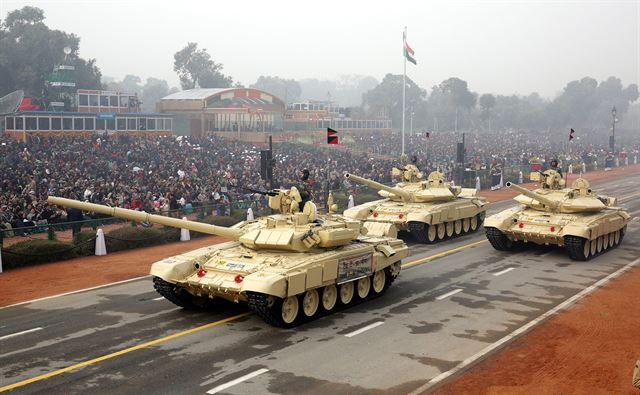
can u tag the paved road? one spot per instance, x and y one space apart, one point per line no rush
450 302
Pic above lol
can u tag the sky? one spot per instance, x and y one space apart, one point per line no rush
500 47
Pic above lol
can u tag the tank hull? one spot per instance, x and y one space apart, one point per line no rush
453 217
577 232
236 273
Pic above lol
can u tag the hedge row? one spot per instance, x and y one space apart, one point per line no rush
36 251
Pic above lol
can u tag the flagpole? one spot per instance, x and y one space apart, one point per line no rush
404 77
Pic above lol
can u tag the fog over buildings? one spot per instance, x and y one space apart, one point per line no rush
498 47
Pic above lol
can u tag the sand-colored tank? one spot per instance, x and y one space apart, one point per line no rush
576 218
431 210
289 267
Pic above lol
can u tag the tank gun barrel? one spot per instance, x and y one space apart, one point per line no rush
533 195
134 215
406 196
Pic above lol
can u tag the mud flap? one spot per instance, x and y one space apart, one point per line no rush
381 229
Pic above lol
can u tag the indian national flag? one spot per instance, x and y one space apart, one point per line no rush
408 51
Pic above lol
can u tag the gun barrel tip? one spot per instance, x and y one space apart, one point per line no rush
347 175
508 184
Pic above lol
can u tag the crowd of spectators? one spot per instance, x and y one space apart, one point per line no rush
159 174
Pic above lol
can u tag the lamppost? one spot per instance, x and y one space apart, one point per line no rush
612 139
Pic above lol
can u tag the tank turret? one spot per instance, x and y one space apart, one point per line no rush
399 193
577 199
291 230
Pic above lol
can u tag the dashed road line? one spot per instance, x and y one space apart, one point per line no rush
121 352
455 291
462 365
507 270
364 329
239 380
443 253
160 298
20 333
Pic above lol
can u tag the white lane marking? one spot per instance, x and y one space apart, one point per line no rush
75 292
507 270
364 329
160 298
237 381
20 333
524 328
455 291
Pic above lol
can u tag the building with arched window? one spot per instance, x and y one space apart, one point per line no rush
202 111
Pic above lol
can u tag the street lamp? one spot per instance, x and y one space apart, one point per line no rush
612 139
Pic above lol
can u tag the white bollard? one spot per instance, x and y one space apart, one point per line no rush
478 186
617 162
101 246
351 202
520 178
570 169
250 214
184 233
501 182
635 159
626 161
584 167
595 165
0 261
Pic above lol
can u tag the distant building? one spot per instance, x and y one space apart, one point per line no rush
316 115
97 112
202 111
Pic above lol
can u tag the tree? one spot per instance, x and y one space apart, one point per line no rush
196 69
30 50
152 91
386 100
487 102
287 90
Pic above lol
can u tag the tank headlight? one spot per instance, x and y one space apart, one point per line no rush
375 214
238 279
520 225
553 228
401 216
201 272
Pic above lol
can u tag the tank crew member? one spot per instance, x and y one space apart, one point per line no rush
554 166
305 187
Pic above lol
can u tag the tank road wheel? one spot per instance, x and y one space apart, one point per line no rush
579 248
346 292
310 302
498 240
466 224
441 231
474 223
457 227
329 297
616 237
289 309
605 242
594 247
432 233
449 229
612 240
364 284
599 241
379 281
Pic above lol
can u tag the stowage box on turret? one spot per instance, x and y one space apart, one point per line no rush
430 210
289 267
584 223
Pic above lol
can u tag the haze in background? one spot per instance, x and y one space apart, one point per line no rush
498 47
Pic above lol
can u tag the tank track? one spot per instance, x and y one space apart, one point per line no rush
259 304
498 240
176 295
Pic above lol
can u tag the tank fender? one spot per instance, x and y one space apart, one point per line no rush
419 217
176 268
577 230
361 211
266 283
503 220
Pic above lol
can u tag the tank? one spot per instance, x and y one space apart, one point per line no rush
430 210
289 267
584 223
